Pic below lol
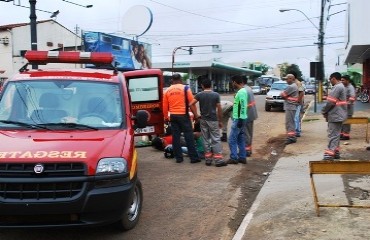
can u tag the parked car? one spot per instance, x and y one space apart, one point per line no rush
273 98
256 89
310 89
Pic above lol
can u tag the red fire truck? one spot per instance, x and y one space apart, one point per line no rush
67 142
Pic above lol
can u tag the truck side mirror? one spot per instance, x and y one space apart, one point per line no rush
141 119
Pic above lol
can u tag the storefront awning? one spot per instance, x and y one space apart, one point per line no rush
246 71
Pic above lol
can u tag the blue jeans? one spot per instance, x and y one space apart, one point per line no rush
182 124
237 140
297 120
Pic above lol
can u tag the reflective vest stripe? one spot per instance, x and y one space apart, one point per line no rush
332 99
251 104
330 152
341 103
217 156
293 99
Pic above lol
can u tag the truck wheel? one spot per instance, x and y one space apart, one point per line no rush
268 107
131 216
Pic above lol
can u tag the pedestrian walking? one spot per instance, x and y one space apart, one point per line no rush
290 95
298 113
227 111
252 115
351 98
210 123
239 120
176 101
335 113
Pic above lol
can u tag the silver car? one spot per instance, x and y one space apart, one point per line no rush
273 98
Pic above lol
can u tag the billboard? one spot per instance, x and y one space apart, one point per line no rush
128 54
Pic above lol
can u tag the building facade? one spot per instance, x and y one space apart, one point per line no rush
357 43
15 40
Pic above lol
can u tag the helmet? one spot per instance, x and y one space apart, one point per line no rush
157 143
168 152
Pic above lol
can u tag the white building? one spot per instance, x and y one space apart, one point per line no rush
358 37
15 40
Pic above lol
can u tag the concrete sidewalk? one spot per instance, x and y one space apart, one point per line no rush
284 208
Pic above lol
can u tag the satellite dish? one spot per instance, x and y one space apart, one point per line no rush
137 20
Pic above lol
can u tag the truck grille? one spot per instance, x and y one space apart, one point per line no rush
49 185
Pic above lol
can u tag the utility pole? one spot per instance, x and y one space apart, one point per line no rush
321 49
77 31
33 25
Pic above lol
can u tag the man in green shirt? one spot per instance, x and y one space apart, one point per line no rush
239 121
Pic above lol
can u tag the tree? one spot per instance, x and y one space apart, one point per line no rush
286 67
265 68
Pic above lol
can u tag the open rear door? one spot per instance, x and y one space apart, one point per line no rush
146 93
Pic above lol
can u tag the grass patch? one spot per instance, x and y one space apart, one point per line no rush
310 120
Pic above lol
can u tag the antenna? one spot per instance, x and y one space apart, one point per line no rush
137 20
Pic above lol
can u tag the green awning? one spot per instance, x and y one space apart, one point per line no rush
356 70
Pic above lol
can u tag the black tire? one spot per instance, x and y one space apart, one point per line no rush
365 98
268 107
131 216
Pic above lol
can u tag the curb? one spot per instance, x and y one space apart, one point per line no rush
248 218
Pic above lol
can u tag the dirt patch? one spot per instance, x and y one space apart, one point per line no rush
359 191
252 178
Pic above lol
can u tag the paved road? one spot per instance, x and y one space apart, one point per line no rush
183 201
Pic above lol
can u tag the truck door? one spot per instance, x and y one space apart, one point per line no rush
146 93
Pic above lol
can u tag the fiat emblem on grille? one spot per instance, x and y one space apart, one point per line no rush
38 168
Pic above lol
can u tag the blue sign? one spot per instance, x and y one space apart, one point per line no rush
128 54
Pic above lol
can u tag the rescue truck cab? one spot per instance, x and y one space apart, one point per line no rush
67 154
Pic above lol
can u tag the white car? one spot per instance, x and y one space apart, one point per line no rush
273 98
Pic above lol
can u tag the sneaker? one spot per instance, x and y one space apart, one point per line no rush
290 141
179 160
249 153
337 155
328 157
232 161
195 160
298 135
344 137
242 160
220 163
208 162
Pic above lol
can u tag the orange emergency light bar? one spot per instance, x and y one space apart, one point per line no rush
43 57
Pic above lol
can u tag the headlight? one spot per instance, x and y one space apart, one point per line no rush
269 97
111 165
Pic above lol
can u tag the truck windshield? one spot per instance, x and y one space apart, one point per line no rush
95 105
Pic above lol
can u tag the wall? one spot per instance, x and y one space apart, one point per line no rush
358 18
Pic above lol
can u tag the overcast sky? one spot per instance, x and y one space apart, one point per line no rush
247 30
